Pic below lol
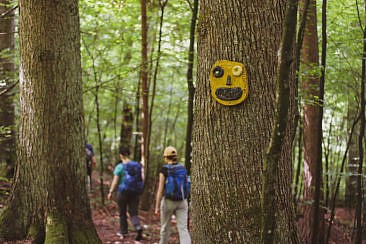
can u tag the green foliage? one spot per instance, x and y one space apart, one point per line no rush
342 82
111 57
344 53
343 77
5 132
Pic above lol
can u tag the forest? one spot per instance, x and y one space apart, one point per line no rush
263 100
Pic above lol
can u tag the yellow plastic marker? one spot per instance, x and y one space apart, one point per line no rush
229 82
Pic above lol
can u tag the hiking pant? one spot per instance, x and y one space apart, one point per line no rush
128 200
180 209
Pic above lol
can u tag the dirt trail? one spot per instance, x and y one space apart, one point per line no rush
106 220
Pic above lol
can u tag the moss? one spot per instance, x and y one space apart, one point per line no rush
85 236
3 172
36 232
56 229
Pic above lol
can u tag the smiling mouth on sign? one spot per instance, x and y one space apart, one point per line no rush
229 94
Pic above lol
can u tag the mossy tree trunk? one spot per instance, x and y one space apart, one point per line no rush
49 198
7 74
229 142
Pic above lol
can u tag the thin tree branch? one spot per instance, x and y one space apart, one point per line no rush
338 180
9 88
7 12
273 153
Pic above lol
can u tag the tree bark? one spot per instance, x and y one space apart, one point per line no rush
327 167
297 184
144 86
126 125
7 74
136 144
49 191
229 141
274 150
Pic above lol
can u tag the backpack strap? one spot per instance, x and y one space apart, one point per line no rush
169 168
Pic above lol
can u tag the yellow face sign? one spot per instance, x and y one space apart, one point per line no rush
229 82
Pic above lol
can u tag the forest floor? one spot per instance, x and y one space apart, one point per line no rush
106 220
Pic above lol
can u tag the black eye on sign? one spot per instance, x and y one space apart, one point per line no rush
218 72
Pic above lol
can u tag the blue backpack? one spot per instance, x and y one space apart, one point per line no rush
177 185
132 180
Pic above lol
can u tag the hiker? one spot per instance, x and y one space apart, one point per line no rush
91 162
127 180
171 197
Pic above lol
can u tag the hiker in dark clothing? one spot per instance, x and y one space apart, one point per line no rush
127 180
91 162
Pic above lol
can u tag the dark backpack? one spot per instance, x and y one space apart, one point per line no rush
88 157
132 179
177 185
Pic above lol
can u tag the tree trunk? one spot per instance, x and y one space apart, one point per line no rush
50 182
229 142
297 184
166 139
126 125
144 86
148 194
100 140
191 52
360 224
274 150
136 144
145 107
7 70
312 129
338 179
327 167
351 180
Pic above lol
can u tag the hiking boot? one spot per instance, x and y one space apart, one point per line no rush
139 235
121 235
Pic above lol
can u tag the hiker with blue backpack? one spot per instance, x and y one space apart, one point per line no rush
128 181
171 197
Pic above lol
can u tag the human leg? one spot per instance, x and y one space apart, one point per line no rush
133 204
166 211
122 208
181 214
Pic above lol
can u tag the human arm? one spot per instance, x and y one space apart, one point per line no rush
93 163
159 193
142 171
113 186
